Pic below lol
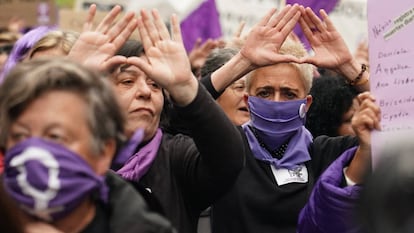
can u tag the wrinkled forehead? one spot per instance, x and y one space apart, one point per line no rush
283 73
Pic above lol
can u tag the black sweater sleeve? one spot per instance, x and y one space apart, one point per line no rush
209 168
206 81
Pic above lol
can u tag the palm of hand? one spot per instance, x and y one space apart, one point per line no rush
169 63
92 49
263 45
198 56
330 50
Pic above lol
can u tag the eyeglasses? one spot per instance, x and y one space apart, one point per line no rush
6 49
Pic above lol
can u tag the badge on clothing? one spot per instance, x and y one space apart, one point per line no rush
286 176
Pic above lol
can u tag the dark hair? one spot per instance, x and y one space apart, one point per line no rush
29 80
133 48
332 98
386 203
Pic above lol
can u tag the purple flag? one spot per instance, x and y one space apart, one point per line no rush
316 5
204 23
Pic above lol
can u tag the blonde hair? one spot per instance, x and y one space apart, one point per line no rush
63 40
296 49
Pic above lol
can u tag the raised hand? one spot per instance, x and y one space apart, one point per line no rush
328 45
262 44
330 49
199 53
260 48
166 60
96 48
366 119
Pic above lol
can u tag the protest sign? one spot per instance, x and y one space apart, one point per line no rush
391 29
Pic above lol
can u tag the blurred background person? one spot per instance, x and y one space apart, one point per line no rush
333 107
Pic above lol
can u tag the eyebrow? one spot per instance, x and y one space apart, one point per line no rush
296 90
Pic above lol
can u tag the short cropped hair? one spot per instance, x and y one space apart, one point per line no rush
29 80
296 49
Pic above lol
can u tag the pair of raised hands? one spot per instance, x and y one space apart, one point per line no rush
261 46
166 60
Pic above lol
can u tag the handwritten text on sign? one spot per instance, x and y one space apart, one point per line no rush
391 29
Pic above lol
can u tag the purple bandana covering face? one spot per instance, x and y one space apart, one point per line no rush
276 122
49 181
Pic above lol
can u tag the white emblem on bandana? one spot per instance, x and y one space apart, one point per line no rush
41 198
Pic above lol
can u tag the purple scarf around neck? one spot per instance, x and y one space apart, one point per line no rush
138 164
296 153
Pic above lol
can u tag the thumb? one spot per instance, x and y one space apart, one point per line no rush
112 63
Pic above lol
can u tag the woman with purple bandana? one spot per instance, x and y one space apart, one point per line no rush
283 161
61 126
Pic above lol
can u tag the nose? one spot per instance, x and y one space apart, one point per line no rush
143 90
277 96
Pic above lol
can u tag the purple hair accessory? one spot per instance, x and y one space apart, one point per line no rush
22 47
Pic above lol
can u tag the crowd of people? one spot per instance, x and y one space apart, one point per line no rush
104 132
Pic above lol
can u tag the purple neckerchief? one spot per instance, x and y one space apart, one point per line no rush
48 180
297 151
276 121
128 149
140 162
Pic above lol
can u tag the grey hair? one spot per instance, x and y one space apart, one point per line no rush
216 59
30 80
296 49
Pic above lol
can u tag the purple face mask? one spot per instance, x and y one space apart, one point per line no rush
48 181
276 121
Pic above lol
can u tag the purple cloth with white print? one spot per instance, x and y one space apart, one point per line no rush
138 164
332 208
316 5
204 23
48 180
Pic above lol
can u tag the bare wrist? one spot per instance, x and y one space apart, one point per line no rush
235 68
184 94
